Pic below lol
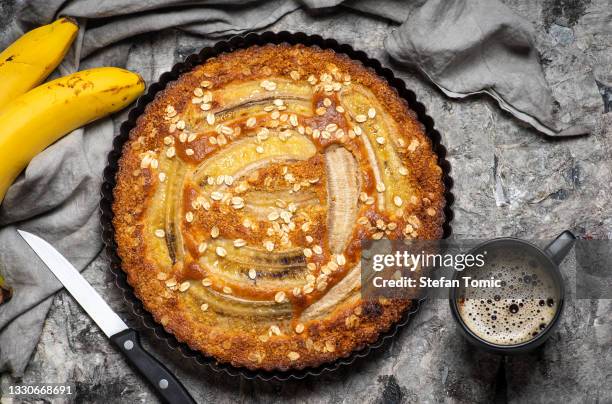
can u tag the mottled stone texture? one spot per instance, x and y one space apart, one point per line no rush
509 180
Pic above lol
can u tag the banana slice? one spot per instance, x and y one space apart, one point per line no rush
243 156
343 187
257 310
380 136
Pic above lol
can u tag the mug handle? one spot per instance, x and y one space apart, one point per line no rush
559 247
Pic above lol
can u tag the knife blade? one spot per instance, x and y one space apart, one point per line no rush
126 339
108 321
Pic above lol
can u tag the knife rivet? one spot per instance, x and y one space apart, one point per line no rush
129 344
163 384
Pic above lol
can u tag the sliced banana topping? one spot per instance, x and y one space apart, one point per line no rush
343 188
264 185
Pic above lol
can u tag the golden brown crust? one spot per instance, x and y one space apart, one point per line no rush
160 267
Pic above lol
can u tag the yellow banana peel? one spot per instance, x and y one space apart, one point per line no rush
30 59
38 118
5 292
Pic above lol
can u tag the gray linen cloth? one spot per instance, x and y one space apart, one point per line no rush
463 46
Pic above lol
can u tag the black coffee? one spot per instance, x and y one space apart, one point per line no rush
520 309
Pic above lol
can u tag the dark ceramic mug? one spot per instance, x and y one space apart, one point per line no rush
549 260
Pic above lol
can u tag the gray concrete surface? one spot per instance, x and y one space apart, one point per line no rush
509 180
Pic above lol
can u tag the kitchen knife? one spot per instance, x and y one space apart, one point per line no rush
125 338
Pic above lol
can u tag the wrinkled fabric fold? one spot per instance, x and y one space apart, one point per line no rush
468 47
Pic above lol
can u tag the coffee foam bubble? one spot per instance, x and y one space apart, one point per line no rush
518 311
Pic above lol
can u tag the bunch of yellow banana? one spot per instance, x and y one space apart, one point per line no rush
33 118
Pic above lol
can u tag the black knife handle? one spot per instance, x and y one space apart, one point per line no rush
165 383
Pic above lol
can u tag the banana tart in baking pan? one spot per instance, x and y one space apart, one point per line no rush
243 195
